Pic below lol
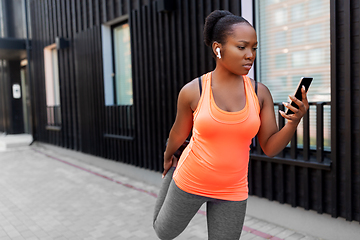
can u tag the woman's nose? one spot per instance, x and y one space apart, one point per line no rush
249 54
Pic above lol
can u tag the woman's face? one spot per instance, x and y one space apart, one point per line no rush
239 51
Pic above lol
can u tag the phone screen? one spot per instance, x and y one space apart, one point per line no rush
304 81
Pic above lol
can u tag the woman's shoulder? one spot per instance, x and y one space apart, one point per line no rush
263 92
190 93
260 86
192 87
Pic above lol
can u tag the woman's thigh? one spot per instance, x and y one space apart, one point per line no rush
225 219
176 212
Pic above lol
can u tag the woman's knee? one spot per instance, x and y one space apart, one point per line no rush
165 233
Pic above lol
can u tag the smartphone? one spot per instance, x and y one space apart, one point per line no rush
304 81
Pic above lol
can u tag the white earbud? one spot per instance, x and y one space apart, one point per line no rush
218 53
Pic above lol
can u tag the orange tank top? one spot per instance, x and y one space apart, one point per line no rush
215 162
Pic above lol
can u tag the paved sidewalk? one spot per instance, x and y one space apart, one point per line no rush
49 196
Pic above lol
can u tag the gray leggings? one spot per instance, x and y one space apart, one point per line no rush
175 208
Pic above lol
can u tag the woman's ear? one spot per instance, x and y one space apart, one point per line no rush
216 47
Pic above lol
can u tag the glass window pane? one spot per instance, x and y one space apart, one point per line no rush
280 39
316 56
52 86
316 32
294 40
280 60
55 67
298 59
298 36
316 8
297 12
122 57
280 16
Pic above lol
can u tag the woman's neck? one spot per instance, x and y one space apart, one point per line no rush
221 75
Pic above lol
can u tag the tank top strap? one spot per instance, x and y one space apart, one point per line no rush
205 91
251 92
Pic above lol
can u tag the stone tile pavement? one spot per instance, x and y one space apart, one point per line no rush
48 196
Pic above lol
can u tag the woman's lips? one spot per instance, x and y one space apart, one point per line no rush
247 66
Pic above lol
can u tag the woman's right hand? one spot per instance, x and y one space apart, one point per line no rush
168 163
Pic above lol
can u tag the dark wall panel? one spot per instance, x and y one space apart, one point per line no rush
4 97
347 85
13 27
355 103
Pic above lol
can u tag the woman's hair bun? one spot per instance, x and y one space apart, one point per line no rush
210 23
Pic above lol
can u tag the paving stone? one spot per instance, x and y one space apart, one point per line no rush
18 238
257 225
248 236
267 228
310 238
284 234
276 231
295 236
251 222
5 238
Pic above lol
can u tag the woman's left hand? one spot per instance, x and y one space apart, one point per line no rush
298 112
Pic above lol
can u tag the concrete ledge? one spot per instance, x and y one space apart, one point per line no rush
296 219
300 220
15 141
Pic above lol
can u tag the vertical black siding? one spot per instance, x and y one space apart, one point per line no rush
167 52
3 97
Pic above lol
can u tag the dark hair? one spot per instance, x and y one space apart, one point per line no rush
218 26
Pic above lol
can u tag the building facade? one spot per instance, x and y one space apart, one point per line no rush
105 75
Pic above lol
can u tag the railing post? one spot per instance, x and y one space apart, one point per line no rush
320 132
306 136
306 157
281 122
293 146
319 154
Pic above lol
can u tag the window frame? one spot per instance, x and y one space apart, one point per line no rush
52 87
109 77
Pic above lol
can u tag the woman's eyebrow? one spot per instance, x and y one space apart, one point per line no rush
246 42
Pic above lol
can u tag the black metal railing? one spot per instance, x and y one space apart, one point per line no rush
119 122
53 114
310 151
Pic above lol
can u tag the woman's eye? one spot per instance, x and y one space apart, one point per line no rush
255 48
242 48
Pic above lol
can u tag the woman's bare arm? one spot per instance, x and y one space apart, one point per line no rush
182 126
271 140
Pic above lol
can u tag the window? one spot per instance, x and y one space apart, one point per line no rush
122 65
294 41
117 64
52 85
